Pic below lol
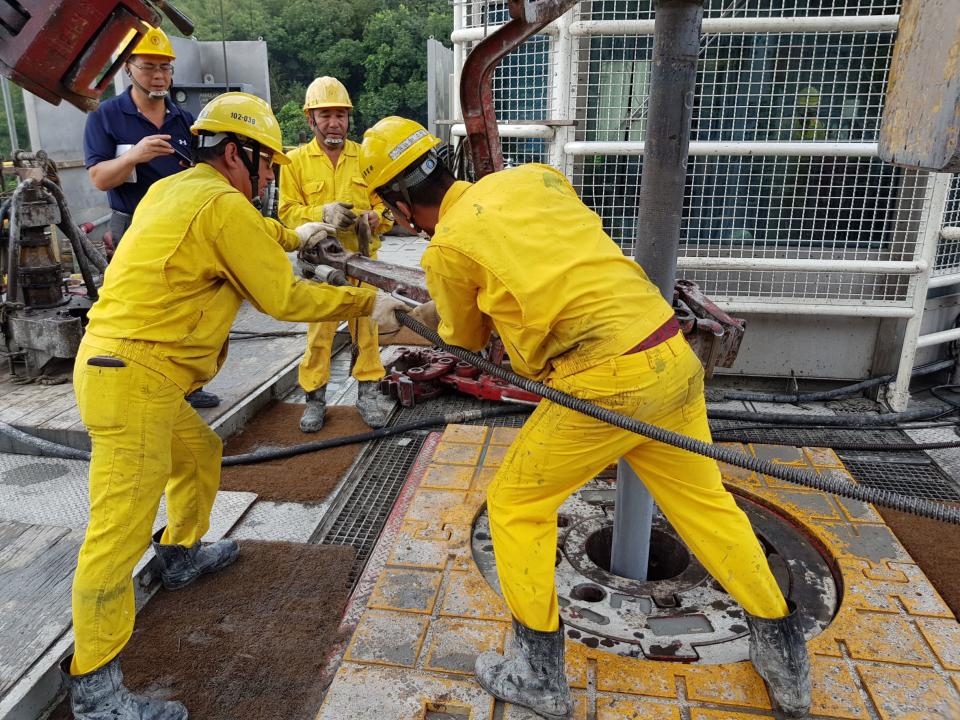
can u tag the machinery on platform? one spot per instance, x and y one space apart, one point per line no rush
42 315
68 49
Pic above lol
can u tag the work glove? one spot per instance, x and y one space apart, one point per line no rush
312 234
427 314
383 312
339 214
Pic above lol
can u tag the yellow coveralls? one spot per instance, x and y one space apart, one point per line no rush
196 249
306 185
519 252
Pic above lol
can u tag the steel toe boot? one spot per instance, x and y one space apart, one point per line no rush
778 652
101 695
534 677
180 565
374 406
312 419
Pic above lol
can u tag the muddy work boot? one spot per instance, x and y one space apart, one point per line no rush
374 406
101 695
779 655
312 419
534 678
180 566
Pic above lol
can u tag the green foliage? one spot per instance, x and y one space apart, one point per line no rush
293 123
377 48
19 118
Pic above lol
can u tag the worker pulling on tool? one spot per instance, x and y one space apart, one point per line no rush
518 252
323 183
196 250
139 137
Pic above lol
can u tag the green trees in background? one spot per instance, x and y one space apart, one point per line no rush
377 48
20 118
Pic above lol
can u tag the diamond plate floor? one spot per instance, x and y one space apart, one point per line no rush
892 652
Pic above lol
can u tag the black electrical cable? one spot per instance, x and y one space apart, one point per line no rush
799 476
839 392
51 449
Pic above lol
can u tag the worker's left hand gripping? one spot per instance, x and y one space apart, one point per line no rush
383 314
312 234
339 214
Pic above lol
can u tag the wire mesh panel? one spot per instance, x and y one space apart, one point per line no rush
948 250
633 10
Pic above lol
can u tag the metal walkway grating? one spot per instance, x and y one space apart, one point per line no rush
922 479
381 477
809 437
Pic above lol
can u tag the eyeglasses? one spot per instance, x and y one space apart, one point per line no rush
150 68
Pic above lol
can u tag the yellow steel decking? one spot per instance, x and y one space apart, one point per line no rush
893 650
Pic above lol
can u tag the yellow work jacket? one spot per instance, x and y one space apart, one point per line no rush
310 181
520 253
195 250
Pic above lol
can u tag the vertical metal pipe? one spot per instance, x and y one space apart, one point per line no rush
11 120
673 77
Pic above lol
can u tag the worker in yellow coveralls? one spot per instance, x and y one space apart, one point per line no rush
323 183
518 253
197 248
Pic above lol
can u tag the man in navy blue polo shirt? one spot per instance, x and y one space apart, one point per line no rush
139 137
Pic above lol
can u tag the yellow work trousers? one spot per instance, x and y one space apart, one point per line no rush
146 441
559 450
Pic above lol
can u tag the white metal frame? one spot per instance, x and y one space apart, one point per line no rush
564 36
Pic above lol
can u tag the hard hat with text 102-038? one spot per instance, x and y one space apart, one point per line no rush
154 41
326 92
245 115
390 147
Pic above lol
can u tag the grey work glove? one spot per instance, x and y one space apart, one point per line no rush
313 233
383 312
339 214
427 314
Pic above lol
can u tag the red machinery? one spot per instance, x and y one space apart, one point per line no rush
68 49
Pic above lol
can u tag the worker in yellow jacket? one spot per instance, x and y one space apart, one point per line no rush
197 248
518 253
323 183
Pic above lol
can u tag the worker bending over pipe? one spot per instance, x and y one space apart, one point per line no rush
197 248
518 252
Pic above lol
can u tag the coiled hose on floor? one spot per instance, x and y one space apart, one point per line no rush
798 476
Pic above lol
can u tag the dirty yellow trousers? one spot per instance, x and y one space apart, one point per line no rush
315 368
146 441
559 450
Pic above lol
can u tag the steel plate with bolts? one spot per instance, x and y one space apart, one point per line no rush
680 613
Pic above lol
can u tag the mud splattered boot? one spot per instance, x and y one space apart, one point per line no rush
312 419
778 651
101 695
374 406
180 566
534 678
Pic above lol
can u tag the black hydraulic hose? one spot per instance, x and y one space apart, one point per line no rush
51 449
799 476
723 436
829 420
75 232
835 392
258 456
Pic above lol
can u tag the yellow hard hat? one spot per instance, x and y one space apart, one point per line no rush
154 41
326 92
808 97
390 147
245 115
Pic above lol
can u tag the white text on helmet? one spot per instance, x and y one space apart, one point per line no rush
404 144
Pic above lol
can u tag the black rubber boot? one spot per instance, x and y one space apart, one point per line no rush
534 678
312 419
374 406
778 651
180 566
101 695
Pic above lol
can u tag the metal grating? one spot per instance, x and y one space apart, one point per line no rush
365 512
808 437
921 479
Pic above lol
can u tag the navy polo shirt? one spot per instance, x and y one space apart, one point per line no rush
118 122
